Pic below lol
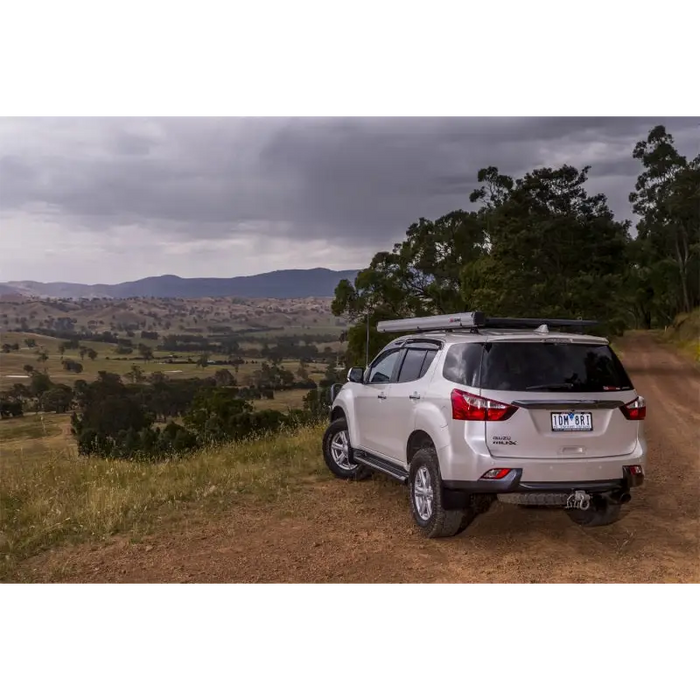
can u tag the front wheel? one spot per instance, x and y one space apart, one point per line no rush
337 452
427 505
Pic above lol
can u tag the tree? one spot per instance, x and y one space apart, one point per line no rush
28 369
537 246
105 412
135 375
10 407
317 403
72 366
92 353
6 348
223 377
553 249
303 371
40 383
203 360
218 415
667 200
421 276
41 355
30 342
57 399
82 351
146 351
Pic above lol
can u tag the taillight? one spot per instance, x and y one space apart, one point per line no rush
466 406
495 473
635 410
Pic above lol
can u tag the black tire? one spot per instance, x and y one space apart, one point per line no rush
602 512
439 522
349 470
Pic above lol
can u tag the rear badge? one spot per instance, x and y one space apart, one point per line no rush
503 440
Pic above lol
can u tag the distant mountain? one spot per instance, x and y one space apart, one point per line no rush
280 284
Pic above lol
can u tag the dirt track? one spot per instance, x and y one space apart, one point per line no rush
340 532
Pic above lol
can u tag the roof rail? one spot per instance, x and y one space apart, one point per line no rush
474 320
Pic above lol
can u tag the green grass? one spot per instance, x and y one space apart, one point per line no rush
65 498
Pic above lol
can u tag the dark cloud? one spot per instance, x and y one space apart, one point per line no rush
349 182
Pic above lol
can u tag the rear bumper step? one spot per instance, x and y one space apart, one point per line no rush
512 483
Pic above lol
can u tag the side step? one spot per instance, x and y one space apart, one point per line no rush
380 465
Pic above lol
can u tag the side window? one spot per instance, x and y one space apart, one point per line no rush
429 357
463 364
411 366
382 371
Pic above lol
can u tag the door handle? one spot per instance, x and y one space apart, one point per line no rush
415 395
381 395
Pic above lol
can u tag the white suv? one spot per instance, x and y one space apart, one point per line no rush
470 409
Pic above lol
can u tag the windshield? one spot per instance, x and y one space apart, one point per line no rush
537 367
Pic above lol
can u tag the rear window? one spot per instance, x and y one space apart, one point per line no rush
536 366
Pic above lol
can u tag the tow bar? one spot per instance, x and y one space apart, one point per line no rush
579 500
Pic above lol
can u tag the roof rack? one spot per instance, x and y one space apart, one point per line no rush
474 320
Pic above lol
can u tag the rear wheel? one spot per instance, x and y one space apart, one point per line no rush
601 512
337 452
426 497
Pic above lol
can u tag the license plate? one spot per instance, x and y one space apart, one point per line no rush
572 422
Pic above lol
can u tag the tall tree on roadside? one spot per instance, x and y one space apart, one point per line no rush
553 249
537 246
420 276
667 200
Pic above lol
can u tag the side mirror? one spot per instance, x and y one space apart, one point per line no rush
355 375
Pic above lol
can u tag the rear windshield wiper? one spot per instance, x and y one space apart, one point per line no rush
563 386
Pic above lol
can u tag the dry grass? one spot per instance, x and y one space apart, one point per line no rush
684 334
63 498
31 437
283 401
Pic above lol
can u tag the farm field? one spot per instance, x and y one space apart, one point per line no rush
253 323
267 511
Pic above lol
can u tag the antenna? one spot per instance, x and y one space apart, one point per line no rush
367 343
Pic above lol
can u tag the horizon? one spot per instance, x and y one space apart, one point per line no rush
130 281
119 199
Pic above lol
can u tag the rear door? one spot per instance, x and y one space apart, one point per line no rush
405 394
568 397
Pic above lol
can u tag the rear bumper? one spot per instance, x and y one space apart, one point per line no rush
513 483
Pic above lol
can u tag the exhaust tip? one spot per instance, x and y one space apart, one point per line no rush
625 498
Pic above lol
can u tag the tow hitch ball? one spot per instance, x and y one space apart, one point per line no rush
580 500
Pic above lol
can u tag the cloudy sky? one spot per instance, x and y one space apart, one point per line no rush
109 200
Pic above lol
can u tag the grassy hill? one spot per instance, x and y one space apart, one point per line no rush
58 497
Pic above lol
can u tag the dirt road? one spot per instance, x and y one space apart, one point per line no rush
340 532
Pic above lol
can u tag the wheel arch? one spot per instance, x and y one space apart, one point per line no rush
344 407
417 440
338 412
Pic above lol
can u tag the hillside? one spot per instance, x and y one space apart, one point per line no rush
170 315
280 284
269 511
